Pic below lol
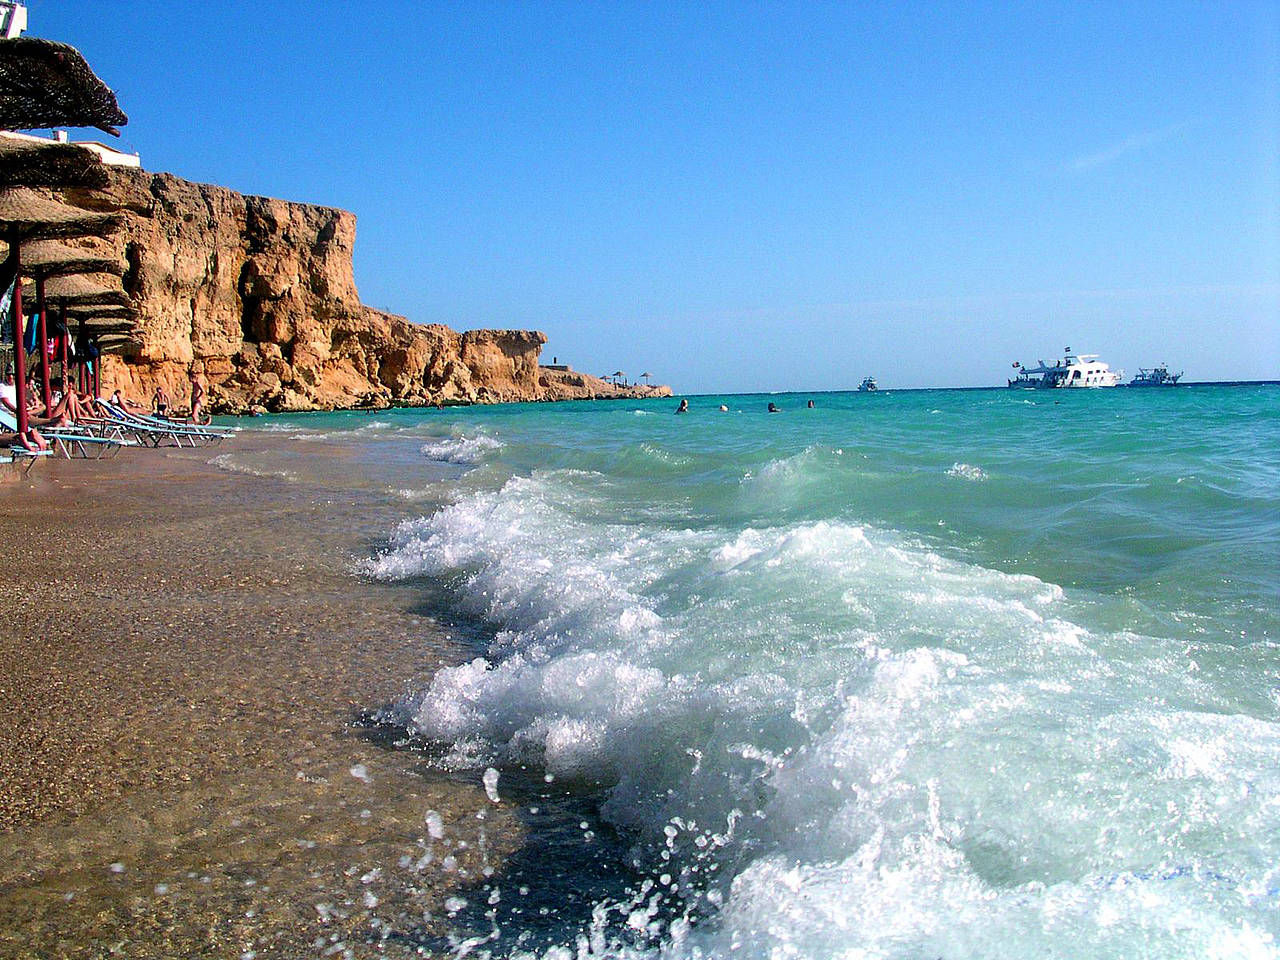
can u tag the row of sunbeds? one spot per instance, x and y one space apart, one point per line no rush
107 434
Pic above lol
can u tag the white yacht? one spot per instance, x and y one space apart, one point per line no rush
1073 370
868 385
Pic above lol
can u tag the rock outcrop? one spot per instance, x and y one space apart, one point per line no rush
562 383
260 296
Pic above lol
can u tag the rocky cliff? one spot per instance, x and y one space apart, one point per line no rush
259 295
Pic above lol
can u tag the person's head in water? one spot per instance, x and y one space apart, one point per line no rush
724 408
773 407
810 404
684 406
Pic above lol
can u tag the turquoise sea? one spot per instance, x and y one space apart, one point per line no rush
917 674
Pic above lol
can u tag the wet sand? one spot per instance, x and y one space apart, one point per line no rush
184 659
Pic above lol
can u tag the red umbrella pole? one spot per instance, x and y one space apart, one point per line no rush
81 341
66 348
19 348
42 340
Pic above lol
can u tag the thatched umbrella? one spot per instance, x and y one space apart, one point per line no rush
115 329
24 163
27 215
91 295
50 258
92 290
45 84
646 376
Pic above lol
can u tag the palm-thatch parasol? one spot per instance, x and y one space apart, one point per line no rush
45 84
26 215
646 377
50 258
91 290
27 164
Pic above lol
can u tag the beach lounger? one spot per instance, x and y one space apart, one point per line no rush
22 458
197 430
154 431
73 441
86 445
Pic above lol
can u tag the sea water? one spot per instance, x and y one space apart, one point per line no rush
910 674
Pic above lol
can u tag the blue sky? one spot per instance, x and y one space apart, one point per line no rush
753 196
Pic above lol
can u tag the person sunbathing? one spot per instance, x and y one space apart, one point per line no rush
67 412
30 441
128 406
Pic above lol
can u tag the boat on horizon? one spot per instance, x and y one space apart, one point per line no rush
868 385
1156 377
1074 370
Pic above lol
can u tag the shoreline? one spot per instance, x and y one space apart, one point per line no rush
182 767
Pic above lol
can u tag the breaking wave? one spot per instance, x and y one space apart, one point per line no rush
461 449
823 739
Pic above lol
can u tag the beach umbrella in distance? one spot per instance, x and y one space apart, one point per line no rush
646 377
618 374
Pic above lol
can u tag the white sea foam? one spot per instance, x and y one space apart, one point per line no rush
833 742
235 464
344 434
967 471
461 448
270 426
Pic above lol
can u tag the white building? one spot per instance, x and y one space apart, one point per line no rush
13 19
107 154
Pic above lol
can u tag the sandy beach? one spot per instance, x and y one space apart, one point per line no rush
184 665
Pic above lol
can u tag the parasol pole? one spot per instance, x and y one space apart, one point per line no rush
42 339
19 348
66 347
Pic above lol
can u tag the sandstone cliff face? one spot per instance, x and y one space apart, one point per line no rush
259 295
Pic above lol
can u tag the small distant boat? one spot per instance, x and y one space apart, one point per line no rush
1156 377
1073 370
868 385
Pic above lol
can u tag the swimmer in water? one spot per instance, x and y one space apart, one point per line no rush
684 407
773 407
724 408
810 404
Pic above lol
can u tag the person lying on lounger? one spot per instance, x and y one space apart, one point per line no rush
32 441
68 411
122 403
